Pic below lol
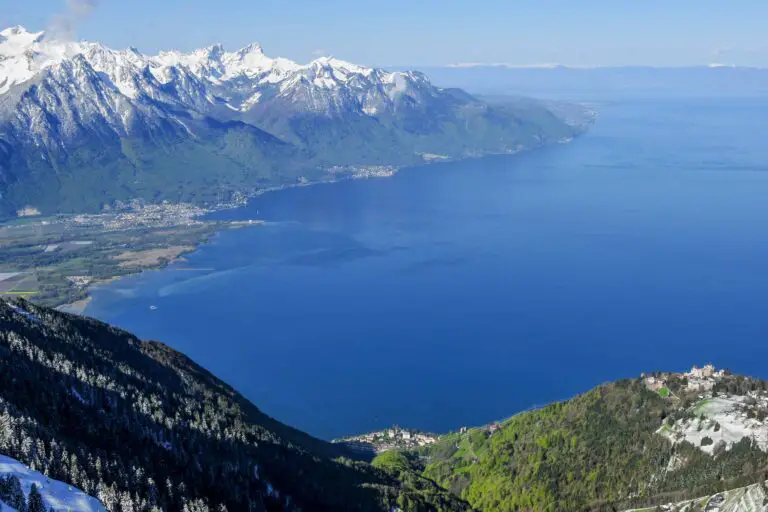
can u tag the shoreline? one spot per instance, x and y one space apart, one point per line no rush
77 307
80 306
386 171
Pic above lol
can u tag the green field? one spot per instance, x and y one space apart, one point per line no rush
55 263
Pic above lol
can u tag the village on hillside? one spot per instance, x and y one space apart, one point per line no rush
713 416
697 380
389 439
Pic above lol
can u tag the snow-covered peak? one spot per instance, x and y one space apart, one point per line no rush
342 65
203 80
215 64
17 32
214 51
15 41
251 49
251 61
205 62
24 54
192 60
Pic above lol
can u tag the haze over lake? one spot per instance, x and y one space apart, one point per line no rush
460 293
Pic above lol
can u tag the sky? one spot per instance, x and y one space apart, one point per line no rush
426 32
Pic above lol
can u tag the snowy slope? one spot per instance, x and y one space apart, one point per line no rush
243 78
723 420
56 494
248 77
752 498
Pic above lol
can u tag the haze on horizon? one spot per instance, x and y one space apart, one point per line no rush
425 33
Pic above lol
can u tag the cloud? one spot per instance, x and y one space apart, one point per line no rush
82 8
64 25
319 53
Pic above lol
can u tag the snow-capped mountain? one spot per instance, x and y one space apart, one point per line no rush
209 77
53 92
247 78
68 108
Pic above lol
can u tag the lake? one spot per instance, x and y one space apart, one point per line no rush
460 293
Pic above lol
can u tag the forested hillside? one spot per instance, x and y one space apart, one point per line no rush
621 445
141 427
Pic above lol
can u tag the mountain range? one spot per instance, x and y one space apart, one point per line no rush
83 125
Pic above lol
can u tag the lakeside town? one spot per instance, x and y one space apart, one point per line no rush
398 438
394 438
55 260
131 215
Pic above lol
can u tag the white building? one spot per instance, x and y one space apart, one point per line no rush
702 373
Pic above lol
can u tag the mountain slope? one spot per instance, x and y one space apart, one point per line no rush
82 125
752 498
141 427
638 442
56 495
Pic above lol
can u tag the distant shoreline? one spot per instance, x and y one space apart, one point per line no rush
80 306
77 307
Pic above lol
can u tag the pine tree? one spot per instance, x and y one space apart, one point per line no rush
36 503
14 495
3 489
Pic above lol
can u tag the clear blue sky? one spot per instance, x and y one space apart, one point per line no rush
432 32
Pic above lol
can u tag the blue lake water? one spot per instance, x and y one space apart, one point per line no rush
460 293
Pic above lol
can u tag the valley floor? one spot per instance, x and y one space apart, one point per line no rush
54 261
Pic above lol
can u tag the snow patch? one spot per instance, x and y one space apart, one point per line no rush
250 102
57 495
26 314
721 420
78 396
